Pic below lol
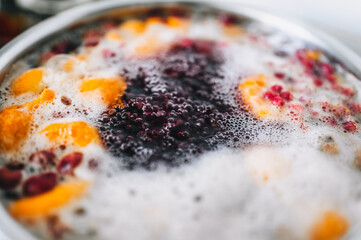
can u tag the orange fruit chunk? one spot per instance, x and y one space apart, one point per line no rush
313 54
330 226
15 121
68 66
113 35
46 96
133 26
78 133
47 202
14 127
109 89
151 46
30 81
251 89
176 22
233 31
153 20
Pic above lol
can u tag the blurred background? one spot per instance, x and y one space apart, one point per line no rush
340 18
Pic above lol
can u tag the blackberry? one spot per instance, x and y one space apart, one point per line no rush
171 117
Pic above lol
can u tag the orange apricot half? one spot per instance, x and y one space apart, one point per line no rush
14 127
45 203
45 97
108 90
77 133
331 226
251 88
133 26
30 81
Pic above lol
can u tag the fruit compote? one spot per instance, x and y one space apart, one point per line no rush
181 125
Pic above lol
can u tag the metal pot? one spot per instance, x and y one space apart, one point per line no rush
40 34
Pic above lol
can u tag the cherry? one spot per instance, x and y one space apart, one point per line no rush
44 158
9 179
39 184
69 162
279 75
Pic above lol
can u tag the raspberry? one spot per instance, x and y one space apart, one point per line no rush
279 75
350 126
276 88
277 101
286 96
269 95
318 82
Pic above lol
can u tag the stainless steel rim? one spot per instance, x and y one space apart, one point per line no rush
9 228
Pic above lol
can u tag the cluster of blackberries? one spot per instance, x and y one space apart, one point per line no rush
168 118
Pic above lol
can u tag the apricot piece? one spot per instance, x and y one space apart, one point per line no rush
176 22
313 54
330 226
133 26
46 96
68 66
233 31
113 35
14 127
151 46
78 133
30 81
108 89
82 57
45 203
153 20
251 89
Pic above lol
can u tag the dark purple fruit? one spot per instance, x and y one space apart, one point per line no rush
69 162
169 118
40 184
9 179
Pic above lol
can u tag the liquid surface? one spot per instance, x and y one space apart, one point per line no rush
182 127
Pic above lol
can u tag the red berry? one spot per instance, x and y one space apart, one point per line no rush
39 184
279 75
308 63
331 121
43 158
228 19
276 88
186 42
107 53
9 179
331 78
69 162
350 126
318 82
355 107
286 96
347 91
327 69
269 95
301 54
278 101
